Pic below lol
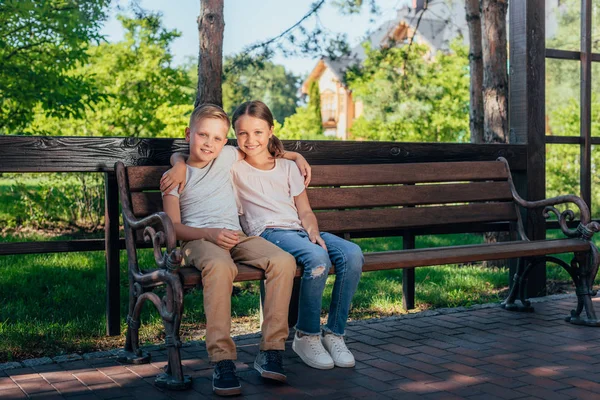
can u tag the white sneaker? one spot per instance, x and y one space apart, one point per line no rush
335 345
311 351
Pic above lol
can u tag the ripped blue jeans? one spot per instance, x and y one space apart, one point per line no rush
348 261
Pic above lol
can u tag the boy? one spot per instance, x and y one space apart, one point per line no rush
206 221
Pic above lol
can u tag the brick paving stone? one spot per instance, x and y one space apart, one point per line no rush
58 376
7 383
378 374
47 396
12 394
583 384
71 388
461 368
544 393
498 391
90 378
545 382
32 386
22 374
424 367
578 393
128 379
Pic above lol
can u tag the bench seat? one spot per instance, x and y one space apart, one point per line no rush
425 257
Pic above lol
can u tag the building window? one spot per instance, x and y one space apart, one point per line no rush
328 106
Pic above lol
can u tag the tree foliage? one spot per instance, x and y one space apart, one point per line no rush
306 123
41 44
409 96
144 95
255 78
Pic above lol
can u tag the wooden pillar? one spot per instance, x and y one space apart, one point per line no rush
408 276
527 80
586 102
111 237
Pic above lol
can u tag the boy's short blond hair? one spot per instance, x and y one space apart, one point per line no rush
208 110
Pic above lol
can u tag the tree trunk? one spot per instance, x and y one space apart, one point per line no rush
495 88
210 58
476 70
495 76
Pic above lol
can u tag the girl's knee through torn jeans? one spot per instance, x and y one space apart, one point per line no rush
348 260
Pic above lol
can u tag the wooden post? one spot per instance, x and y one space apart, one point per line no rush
210 57
527 112
111 237
586 103
408 276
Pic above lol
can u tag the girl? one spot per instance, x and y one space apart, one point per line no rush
274 204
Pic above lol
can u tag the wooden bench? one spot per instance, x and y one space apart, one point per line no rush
367 201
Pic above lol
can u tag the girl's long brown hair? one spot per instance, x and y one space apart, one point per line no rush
258 109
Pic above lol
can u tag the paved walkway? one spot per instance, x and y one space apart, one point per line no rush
476 353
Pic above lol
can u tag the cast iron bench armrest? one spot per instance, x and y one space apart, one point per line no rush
158 227
586 228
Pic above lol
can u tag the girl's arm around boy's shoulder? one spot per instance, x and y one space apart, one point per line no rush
303 165
176 176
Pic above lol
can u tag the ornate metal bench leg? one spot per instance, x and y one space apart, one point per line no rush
584 267
519 289
171 311
132 354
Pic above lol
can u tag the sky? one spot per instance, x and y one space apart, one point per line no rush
248 22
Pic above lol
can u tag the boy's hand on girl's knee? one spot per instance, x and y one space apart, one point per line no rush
225 238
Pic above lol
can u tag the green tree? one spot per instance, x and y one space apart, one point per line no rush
41 44
306 123
408 96
145 95
247 78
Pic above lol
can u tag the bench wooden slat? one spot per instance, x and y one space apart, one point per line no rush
148 178
354 175
426 257
402 218
408 195
145 203
144 178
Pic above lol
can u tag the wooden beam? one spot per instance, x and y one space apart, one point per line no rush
99 154
527 111
111 235
586 103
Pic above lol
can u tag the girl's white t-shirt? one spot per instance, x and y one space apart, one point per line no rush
266 198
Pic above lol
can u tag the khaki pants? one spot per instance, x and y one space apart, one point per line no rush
218 272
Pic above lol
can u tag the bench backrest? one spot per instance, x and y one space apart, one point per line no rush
381 199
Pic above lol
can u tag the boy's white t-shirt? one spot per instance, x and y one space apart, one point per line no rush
208 199
266 198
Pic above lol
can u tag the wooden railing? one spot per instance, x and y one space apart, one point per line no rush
27 154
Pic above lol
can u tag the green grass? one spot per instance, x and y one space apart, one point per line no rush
55 303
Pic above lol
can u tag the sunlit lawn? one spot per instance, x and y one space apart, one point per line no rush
55 303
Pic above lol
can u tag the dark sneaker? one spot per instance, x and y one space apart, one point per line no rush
270 365
225 381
